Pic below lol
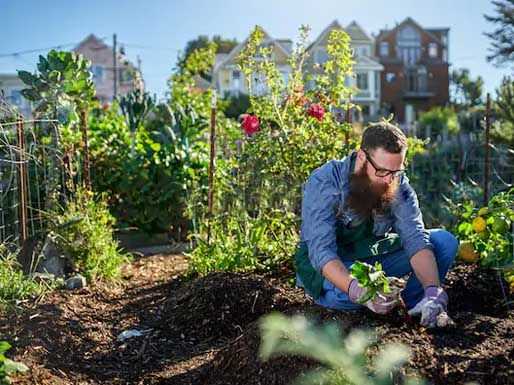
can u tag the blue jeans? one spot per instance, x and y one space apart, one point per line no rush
397 264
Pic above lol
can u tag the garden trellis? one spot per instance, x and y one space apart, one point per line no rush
32 174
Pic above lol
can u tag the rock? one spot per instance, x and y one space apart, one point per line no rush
75 282
51 260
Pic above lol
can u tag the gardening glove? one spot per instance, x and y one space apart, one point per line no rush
381 304
433 308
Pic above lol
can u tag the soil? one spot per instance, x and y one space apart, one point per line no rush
203 330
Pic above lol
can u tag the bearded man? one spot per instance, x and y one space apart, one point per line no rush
349 208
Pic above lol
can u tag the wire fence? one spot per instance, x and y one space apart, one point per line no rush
32 174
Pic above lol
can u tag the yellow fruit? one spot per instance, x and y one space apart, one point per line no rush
479 224
467 253
483 211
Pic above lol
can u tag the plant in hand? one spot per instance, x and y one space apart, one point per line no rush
371 277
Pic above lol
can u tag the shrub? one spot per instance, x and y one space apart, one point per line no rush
83 231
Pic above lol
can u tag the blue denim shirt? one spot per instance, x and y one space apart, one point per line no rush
323 204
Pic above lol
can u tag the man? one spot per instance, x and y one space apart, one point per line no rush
349 207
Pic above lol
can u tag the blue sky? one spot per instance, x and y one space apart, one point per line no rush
157 30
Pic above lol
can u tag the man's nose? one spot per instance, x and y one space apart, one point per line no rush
388 179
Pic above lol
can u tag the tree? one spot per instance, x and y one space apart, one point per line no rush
502 37
203 41
503 130
465 91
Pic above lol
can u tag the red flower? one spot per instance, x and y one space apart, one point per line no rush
298 89
250 124
316 111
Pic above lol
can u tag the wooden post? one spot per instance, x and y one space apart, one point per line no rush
348 120
23 179
211 165
486 148
83 126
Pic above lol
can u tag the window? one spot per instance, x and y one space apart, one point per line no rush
362 81
409 45
390 76
321 56
432 50
98 74
384 48
236 78
285 76
364 51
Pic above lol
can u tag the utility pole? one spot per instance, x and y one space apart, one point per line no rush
114 68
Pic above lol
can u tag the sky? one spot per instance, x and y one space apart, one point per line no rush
157 30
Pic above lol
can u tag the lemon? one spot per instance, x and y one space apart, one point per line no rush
479 224
467 252
483 211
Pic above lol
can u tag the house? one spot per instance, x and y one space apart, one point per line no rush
367 69
10 88
228 79
101 57
415 76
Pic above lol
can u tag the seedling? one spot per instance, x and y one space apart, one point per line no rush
371 277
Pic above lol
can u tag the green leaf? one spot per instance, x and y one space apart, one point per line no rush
12 367
26 77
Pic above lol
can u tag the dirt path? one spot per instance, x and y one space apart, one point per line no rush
202 330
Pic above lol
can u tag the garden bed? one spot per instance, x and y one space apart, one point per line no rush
203 330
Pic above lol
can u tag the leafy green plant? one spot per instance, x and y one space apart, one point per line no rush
83 230
15 286
486 233
344 360
371 277
7 366
289 131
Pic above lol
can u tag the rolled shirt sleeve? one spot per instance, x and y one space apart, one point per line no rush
320 201
409 221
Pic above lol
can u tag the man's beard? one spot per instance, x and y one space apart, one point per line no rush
366 197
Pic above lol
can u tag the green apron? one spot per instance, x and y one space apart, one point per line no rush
352 244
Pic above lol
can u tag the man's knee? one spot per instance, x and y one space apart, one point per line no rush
445 243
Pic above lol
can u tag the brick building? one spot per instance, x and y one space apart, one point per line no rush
415 76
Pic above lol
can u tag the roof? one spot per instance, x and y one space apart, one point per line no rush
430 31
356 32
238 48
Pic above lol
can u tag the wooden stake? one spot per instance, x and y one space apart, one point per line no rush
211 165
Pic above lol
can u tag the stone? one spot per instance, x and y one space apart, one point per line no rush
76 282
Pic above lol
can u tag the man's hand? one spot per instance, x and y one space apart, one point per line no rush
381 304
433 308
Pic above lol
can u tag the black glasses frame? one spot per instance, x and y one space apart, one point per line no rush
382 172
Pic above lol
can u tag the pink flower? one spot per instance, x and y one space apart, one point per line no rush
250 124
316 111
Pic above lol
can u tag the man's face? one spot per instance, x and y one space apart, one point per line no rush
374 185
383 161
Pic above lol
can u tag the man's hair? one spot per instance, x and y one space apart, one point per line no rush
384 135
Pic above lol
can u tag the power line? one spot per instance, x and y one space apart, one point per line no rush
40 49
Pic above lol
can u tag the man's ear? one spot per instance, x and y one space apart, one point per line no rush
361 155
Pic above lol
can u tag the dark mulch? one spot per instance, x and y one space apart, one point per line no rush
202 330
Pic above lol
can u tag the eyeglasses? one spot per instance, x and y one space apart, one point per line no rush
382 172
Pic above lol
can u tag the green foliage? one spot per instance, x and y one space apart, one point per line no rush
261 179
147 187
14 285
503 128
343 360
371 277
63 80
236 106
466 92
7 366
83 230
439 119
501 38
494 244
